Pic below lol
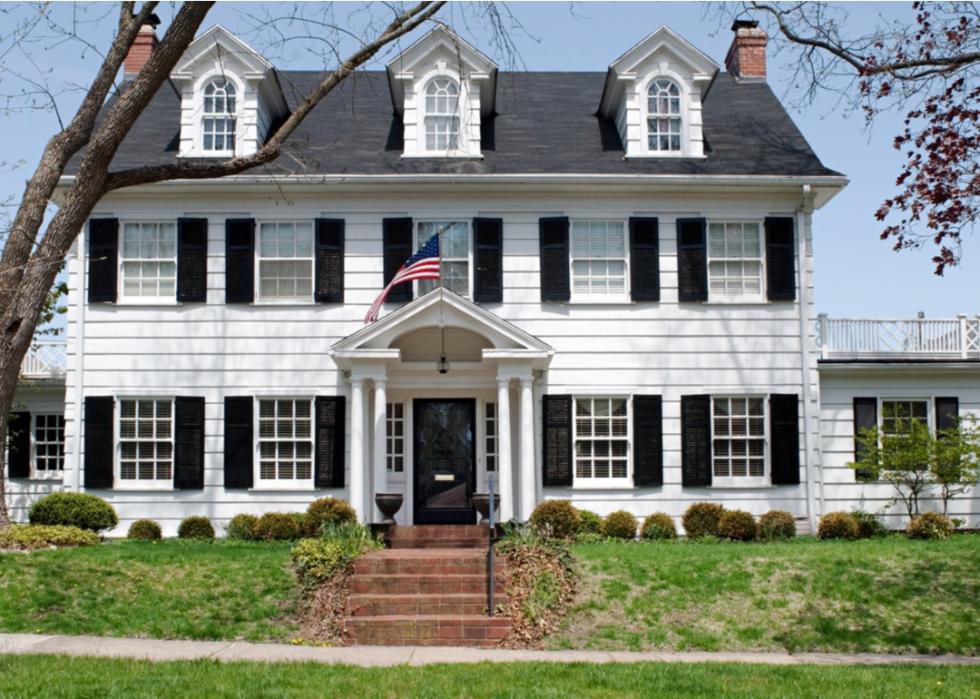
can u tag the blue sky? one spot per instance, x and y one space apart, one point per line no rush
857 275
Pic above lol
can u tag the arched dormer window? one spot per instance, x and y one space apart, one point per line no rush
220 108
664 116
442 115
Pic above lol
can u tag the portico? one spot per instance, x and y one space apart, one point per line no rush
436 433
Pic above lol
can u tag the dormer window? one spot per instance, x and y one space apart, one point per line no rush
442 115
664 116
220 109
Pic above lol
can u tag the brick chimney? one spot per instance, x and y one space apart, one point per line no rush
143 45
747 55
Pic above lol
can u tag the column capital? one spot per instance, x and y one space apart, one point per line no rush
526 381
357 381
503 382
380 381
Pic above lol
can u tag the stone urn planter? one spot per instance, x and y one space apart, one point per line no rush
389 504
481 502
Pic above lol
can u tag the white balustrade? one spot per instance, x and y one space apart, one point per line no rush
44 360
883 338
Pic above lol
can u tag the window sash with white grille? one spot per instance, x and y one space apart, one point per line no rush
490 436
442 115
148 260
664 117
285 441
455 252
218 124
897 415
395 437
49 443
735 260
285 261
599 265
146 441
738 439
601 440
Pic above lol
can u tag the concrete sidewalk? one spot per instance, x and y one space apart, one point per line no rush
383 656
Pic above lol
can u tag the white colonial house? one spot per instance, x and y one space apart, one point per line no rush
624 318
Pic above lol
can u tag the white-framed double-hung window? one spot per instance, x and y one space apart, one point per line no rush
148 261
146 442
898 414
49 445
455 252
664 123
441 115
285 261
285 442
218 123
738 436
735 261
602 439
599 260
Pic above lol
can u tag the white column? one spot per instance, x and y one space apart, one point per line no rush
380 443
357 447
527 448
503 451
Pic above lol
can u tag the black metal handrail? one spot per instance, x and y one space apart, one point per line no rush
490 531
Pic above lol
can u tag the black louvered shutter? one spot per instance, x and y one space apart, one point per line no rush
397 234
19 439
784 438
865 418
238 442
780 281
329 260
103 254
644 259
330 426
553 241
99 442
488 258
192 260
557 442
947 413
648 450
189 443
240 260
695 440
692 260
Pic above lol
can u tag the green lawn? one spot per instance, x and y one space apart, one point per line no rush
169 589
53 676
890 595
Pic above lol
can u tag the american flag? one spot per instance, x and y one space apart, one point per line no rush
424 264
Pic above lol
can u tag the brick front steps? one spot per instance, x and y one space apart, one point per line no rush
429 589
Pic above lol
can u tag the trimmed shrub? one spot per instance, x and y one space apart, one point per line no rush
145 530
277 526
776 524
701 519
304 523
557 519
27 537
930 525
591 523
195 527
328 511
74 510
869 526
317 560
242 527
837 525
737 525
619 525
659 526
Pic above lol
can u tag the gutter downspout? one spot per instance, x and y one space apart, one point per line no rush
80 260
806 208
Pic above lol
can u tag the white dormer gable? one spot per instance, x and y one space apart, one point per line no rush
229 95
654 91
442 88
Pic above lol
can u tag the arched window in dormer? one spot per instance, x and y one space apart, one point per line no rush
664 116
220 108
442 114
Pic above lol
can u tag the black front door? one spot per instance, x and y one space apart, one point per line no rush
445 460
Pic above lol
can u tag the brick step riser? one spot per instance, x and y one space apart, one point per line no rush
408 566
447 607
423 642
382 631
414 586
432 531
438 543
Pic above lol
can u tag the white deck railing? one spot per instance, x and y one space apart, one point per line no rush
44 360
927 338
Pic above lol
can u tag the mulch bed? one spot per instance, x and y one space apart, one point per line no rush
529 569
323 610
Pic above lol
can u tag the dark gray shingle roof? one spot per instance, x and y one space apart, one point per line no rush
546 123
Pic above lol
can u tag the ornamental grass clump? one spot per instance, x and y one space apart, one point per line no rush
145 530
620 525
557 519
196 527
28 537
277 526
658 527
320 559
328 511
74 510
701 519
930 525
737 525
837 525
776 525
242 527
